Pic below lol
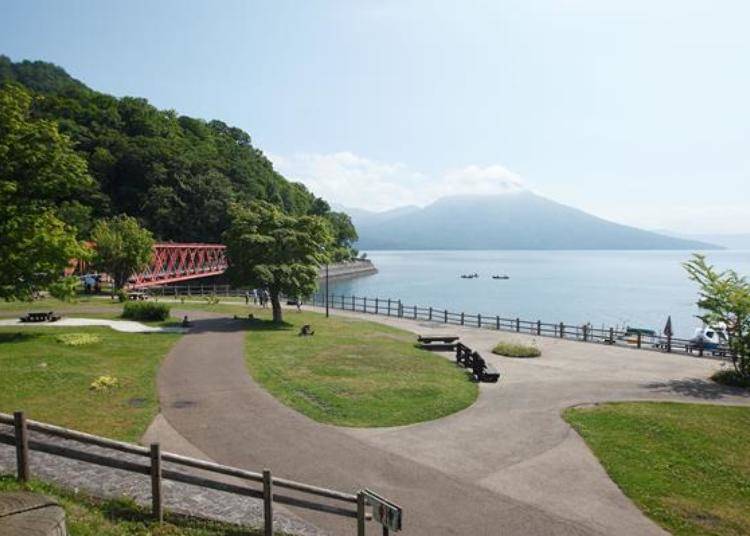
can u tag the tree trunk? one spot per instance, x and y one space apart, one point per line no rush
276 306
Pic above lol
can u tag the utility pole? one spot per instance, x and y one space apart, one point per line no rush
326 289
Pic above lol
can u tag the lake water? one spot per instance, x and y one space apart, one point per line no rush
606 288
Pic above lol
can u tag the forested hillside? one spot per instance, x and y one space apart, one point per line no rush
176 174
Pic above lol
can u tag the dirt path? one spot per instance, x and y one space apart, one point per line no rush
507 465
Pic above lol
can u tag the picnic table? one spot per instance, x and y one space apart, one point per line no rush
48 316
437 343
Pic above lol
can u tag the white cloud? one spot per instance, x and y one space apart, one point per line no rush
354 181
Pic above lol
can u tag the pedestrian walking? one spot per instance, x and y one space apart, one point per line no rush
247 297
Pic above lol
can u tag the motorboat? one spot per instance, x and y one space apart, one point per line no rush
501 277
634 335
469 276
710 338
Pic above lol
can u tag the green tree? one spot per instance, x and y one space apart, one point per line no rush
40 174
725 298
122 247
270 249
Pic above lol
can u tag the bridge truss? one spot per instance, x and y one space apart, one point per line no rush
173 262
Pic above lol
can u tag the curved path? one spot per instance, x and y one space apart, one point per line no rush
507 465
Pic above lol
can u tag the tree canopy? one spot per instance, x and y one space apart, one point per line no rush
122 248
177 175
276 251
40 178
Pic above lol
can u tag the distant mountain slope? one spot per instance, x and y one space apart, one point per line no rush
520 220
730 241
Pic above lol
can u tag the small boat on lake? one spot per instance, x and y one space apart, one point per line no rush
501 276
469 276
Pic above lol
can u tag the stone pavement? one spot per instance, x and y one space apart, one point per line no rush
110 483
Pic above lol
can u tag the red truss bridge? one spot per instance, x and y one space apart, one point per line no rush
173 262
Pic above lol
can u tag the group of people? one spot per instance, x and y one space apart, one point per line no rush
262 297
258 296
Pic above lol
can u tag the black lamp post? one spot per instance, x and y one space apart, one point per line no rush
326 289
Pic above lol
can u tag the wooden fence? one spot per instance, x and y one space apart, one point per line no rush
351 505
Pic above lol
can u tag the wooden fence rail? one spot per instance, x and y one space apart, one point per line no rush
153 467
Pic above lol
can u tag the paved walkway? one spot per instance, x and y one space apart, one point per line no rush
507 465
125 326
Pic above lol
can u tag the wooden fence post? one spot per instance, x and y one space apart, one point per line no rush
479 320
611 335
267 503
157 508
400 309
415 312
354 303
497 322
462 319
361 515
669 343
389 307
585 333
445 316
364 304
430 312
638 340
22 446
538 327
562 330
376 306
518 325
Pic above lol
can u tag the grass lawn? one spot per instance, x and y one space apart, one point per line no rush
86 516
685 465
51 381
353 373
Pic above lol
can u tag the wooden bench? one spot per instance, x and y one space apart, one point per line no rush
40 317
481 371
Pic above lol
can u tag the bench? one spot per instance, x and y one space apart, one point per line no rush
40 317
437 344
481 371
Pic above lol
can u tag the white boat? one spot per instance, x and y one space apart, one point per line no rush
710 338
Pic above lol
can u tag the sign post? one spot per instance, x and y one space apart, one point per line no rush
388 514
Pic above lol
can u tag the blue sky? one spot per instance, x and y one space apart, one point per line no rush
637 111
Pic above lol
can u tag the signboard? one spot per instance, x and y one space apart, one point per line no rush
384 511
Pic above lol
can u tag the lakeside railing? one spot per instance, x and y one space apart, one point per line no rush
396 308
583 332
354 504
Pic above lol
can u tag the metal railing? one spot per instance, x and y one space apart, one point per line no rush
396 308
354 504
583 332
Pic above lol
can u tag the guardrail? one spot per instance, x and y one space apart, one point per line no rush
582 333
354 503
395 307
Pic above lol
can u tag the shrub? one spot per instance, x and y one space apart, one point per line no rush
509 349
104 383
122 296
144 310
732 378
77 339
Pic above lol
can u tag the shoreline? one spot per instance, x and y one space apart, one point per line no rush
347 270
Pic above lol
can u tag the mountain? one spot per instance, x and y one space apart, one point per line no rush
519 220
177 175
